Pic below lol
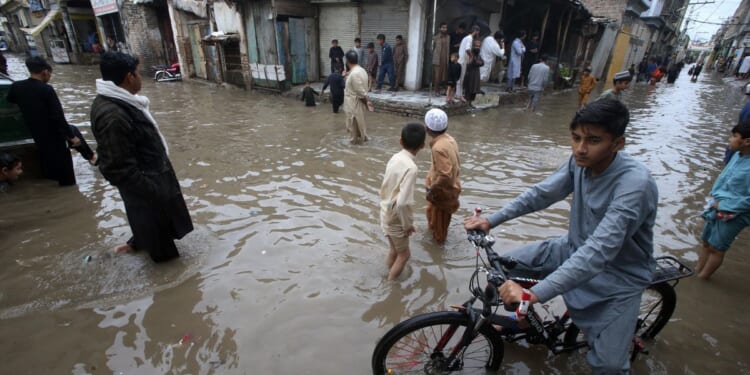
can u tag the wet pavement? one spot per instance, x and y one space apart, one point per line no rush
285 271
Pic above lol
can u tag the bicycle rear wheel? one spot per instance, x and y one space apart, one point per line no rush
657 306
423 345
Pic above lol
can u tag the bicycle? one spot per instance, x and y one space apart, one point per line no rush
471 340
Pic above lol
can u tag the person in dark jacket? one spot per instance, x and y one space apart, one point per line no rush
133 156
337 84
336 54
3 64
308 95
44 117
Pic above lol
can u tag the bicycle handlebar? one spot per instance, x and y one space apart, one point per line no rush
497 275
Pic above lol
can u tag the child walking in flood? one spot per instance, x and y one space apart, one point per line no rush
397 198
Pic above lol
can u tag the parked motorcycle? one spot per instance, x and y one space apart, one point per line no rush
167 73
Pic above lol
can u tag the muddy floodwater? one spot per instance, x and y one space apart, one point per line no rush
285 271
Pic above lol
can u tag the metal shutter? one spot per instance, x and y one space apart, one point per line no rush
389 17
339 21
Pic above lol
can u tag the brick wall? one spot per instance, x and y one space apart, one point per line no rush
144 37
606 8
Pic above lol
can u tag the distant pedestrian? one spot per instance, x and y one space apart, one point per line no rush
631 70
372 65
642 70
442 183
672 73
440 58
134 157
517 51
360 52
491 50
337 84
464 52
727 212
656 75
386 64
45 119
538 78
472 79
457 37
336 54
697 71
745 67
11 168
355 100
400 57
620 82
3 64
530 57
397 198
588 82
309 93
454 74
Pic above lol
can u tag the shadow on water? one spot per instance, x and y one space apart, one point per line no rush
285 272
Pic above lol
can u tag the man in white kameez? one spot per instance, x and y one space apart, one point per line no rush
355 99
492 48
463 59
517 50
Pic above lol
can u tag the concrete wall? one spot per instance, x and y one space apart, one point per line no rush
606 8
144 37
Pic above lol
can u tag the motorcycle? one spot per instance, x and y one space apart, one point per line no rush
167 73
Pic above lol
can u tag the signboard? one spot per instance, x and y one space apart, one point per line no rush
102 7
59 53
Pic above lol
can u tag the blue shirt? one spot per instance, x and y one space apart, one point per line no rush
610 231
732 188
386 56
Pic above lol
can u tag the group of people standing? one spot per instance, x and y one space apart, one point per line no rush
391 61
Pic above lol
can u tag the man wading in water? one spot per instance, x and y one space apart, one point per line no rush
133 156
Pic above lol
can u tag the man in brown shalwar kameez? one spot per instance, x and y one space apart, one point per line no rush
440 57
400 56
443 186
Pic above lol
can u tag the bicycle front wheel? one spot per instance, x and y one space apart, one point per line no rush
425 345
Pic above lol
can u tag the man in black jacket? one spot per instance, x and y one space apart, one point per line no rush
133 156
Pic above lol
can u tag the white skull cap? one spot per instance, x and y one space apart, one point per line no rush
436 120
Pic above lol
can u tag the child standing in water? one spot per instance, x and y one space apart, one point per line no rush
397 198
728 211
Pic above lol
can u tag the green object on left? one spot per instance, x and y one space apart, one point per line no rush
12 126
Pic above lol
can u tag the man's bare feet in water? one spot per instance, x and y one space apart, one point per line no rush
123 249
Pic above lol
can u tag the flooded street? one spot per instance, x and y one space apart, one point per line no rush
285 272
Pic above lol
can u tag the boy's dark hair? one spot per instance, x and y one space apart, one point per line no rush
742 128
499 35
413 136
462 25
115 66
610 114
352 58
371 45
587 70
381 37
443 23
453 54
8 160
544 58
335 41
37 64
357 40
399 37
337 68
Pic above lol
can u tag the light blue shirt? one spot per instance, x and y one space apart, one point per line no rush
732 187
538 75
610 234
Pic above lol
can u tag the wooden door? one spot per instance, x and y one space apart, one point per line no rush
298 49
199 59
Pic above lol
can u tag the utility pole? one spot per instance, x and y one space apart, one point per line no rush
687 20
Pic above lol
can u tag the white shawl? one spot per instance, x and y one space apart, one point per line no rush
109 89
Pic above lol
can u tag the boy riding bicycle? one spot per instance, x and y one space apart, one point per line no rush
604 263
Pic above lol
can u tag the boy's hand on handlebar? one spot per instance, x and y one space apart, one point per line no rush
511 292
477 223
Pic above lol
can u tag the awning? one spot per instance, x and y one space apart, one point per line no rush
51 15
